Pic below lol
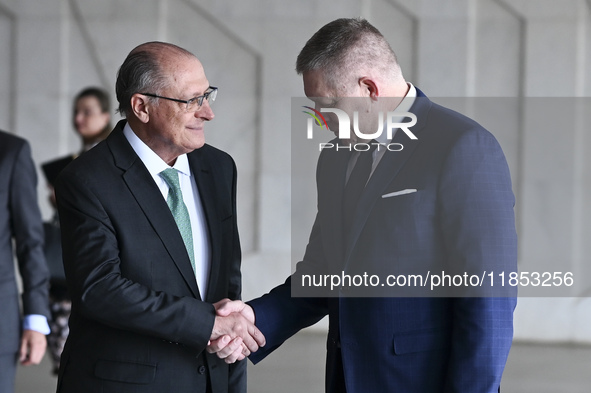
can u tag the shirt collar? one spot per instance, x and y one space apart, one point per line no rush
151 160
404 106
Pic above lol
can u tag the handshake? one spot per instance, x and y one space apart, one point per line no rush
234 335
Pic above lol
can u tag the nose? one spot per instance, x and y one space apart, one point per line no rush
205 112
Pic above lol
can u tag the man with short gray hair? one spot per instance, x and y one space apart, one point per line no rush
443 200
150 240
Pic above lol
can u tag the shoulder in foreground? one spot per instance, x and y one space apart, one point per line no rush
6 139
453 124
93 163
439 112
52 168
94 155
12 146
213 153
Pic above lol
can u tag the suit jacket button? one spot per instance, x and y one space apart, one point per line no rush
201 370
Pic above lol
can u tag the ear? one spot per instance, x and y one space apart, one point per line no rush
369 88
140 107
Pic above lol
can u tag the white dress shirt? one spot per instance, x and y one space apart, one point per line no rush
155 165
37 323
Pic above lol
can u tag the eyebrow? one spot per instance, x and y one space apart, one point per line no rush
202 93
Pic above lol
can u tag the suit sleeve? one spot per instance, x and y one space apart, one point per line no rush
98 288
279 315
27 228
236 371
478 224
235 275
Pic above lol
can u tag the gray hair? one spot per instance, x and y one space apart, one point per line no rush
345 47
142 72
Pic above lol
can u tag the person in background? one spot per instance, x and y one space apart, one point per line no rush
20 224
92 122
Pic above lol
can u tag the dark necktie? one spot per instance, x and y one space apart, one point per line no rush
355 185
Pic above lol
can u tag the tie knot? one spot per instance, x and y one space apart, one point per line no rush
373 144
171 177
368 154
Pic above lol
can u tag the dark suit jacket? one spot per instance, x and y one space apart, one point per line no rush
138 323
20 220
461 216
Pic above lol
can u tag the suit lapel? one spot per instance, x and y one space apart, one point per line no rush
388 168
385 172
201 169
148 196
331 185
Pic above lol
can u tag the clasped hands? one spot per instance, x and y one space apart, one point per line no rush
234 334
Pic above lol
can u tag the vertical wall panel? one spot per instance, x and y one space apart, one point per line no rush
233 66
7 71
399 27
443 47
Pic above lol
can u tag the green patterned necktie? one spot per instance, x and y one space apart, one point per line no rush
179 210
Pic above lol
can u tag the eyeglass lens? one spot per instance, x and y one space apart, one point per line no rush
198 101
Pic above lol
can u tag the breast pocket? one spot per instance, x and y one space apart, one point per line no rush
400 198
401 212
126 372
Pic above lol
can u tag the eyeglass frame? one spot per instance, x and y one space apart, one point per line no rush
212 90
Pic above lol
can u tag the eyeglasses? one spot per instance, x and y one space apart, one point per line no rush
194 103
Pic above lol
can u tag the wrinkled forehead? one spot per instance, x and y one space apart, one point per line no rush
174 62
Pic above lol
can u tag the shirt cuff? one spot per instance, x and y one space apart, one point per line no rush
37 323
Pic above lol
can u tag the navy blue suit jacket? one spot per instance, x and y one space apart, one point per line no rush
461 216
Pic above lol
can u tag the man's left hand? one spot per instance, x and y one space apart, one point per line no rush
33 346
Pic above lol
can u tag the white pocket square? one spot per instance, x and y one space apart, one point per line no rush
401 192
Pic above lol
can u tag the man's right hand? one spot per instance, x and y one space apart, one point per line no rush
234 334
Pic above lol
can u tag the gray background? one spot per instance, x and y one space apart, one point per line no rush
51 49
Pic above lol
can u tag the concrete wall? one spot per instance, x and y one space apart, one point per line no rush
451 49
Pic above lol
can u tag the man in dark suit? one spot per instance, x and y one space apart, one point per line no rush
442 202
20 220
150 240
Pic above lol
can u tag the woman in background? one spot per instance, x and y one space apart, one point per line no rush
92 122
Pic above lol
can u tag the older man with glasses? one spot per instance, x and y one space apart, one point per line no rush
151 240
